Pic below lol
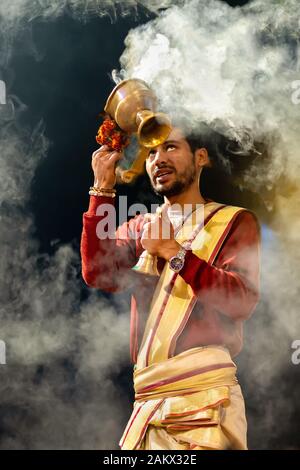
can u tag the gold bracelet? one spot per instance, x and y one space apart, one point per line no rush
101 193
108 192
103 190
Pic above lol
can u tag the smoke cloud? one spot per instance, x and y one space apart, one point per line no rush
56 387
210 62
236 67
62 353
235 70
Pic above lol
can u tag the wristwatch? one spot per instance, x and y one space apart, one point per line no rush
176 263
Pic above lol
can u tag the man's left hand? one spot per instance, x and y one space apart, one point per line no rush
158 235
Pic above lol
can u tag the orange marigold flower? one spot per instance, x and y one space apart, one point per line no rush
109 134
109 124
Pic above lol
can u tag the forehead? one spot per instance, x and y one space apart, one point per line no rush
176 134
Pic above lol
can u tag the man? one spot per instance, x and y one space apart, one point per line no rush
186 323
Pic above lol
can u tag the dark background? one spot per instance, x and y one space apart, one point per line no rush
67 87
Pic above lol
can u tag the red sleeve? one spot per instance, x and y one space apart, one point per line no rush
106 262
231 284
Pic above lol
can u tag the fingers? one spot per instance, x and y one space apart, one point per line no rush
101 150
152 226
104 152
160 214
104 162
148 217
165 207
105 159
162 211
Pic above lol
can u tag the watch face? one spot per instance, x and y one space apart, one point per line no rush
176 263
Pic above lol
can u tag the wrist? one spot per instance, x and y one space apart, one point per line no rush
176 262
167 252
96 201
104 184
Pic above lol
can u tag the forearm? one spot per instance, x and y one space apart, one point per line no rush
231 284
104 258
228 292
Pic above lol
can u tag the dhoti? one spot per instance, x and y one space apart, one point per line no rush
188 402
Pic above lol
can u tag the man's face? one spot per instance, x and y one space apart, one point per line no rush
171 166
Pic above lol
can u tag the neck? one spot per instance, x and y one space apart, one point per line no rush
191 196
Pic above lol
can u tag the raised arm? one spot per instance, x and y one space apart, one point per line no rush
107 254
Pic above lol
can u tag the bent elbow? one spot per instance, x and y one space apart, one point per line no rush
98 282
89 278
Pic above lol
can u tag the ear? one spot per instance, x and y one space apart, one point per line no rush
202 158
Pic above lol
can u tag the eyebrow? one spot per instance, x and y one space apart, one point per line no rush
170 142
166 142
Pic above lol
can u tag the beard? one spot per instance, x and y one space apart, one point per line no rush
181 183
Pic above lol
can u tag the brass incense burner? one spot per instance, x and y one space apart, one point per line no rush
132 104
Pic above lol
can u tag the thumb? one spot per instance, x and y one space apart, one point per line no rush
162 211
148 217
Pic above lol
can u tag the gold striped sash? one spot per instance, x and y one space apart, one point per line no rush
174 299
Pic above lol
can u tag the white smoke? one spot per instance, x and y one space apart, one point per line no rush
57 387
44 325
19 10
212 62
238 67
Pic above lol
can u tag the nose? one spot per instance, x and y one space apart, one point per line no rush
159 157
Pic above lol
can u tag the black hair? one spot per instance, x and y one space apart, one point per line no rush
223 152
229 159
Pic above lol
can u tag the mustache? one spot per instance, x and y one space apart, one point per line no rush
162 168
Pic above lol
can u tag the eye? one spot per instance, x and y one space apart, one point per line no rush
170 147
151 153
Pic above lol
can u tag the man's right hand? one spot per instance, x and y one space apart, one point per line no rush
104 167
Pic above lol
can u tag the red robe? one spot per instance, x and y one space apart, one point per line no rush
227 291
